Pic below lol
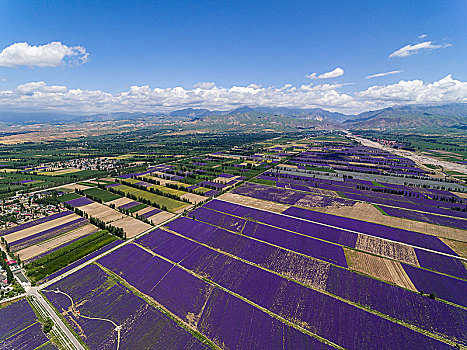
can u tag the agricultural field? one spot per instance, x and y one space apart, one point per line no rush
20 328
274 244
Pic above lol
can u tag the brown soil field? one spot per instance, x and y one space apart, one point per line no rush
193 198
102 212
459 247
460 194
108 179
253 202
222 180
12 237
73 186
131 226
181 210
383 269
119 201
42 247
387 249
367 212
161 180
160 217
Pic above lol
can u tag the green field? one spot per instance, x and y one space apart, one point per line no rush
103 195
68 197
62 257
263 182
171 204
137 208
164 189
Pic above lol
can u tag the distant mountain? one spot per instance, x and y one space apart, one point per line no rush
34 117
190 112
405 117
408 117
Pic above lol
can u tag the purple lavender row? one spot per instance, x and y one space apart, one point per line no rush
226 175
388 299
430 260
159 279
83 260
441 263
218 219
305 245
210 193
47 234
151 213
15 317
316 309
443 291
143 183
425 217
192 296
79 202
29 338
399 235
129 205
445 287
208 184
329 234
225 321
143 327
112 185
35 222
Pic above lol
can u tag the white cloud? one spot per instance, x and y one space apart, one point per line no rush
421 36
337 72
383 74
204 85
53 54
446 90
38 96
408 50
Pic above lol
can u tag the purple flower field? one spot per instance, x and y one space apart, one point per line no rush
304 245
15 317
426 217
151 213
29 338
129 205
143 327
408 306
218 219
35 222
445 287
19 328
79 202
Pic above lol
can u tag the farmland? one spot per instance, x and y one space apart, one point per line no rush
270 245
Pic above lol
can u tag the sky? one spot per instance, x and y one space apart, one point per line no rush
86 57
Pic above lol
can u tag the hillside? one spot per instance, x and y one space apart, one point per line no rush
408 117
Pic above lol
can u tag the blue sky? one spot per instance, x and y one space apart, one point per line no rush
168 44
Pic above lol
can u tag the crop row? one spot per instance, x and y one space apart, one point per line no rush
393 301
99 296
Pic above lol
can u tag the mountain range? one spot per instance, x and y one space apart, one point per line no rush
404 117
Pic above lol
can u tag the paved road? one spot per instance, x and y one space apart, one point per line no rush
34 291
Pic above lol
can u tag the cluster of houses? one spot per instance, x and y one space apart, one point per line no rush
22 207
103 164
